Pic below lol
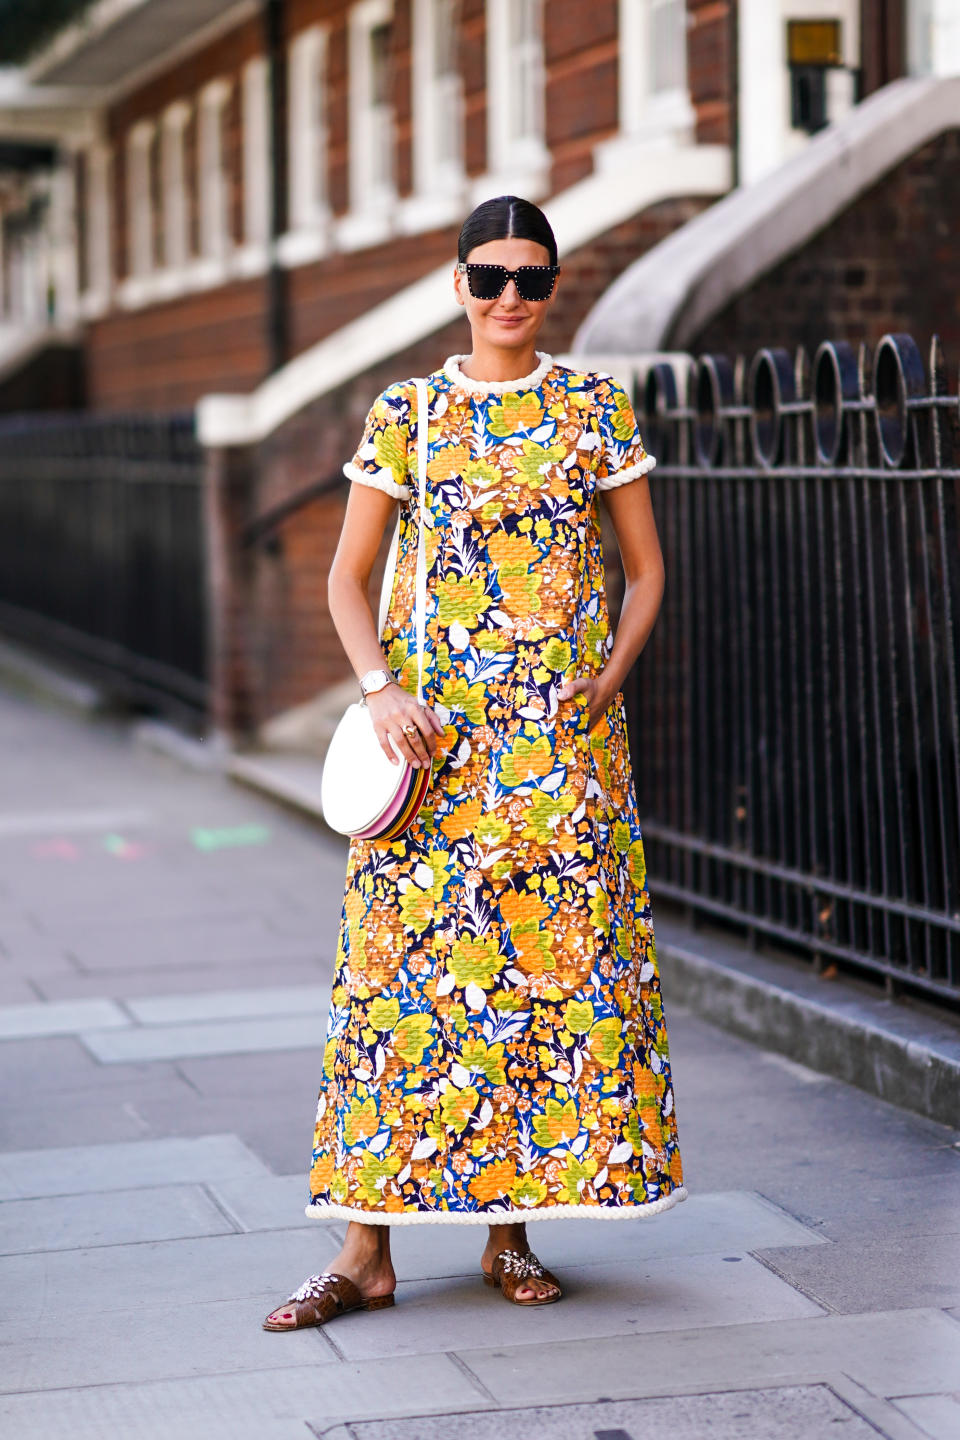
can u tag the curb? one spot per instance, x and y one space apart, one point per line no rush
25 671
895 1051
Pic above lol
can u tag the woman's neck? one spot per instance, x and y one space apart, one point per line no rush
490 363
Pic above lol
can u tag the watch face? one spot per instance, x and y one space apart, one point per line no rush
373 681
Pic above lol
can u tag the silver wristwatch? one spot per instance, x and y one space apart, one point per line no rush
375 680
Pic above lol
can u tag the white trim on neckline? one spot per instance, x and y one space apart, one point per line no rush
451 369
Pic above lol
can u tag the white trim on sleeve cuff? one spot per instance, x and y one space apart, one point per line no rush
380 481
632 472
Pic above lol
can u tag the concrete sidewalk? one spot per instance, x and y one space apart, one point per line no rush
166 943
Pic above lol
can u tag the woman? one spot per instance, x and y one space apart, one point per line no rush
496 1051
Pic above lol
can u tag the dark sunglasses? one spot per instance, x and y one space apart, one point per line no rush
486 282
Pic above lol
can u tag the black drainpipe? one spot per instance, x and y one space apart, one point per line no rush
277 316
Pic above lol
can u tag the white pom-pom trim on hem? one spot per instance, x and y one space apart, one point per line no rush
632 472
497 1217
376 482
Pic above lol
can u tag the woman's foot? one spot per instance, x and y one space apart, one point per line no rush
364 1259
533 1289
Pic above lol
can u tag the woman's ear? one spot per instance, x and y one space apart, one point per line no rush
458 286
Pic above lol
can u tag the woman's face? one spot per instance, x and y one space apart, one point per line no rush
507 322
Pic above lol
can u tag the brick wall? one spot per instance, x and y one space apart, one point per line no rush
710 67
888 263
580 56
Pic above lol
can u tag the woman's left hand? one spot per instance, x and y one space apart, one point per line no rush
598 693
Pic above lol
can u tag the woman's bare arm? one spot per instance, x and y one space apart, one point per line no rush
631 511
367 515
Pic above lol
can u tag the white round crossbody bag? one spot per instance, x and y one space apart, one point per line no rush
362 793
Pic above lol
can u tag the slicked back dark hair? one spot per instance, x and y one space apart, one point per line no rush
507 217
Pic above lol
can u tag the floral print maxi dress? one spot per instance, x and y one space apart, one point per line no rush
496 1045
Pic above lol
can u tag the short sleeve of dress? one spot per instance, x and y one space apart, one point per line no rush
622 456
381 458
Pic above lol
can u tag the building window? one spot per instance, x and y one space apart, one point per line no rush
438 169
174 188
256 153
307 140
654 98
140 219
371 124
517 154
214 183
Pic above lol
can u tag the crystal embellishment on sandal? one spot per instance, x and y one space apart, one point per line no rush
520 1265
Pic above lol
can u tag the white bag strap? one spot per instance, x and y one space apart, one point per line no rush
420 597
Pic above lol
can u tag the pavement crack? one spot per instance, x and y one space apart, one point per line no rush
469 1375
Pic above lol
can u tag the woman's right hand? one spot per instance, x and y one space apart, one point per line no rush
413 727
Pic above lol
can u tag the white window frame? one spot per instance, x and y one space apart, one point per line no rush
649 110
518 160
98 281
257 167
173 186
141 260
212 179
370 129
308 233
933 37
439 177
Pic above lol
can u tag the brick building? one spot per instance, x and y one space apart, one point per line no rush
250 206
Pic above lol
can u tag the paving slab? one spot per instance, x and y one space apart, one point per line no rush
291 1075
255 1405
904 1351
937 1415
200 945
790 1412
183 979
116 1346
892 1273
232 1037
234 1004
722 1223
600 1300
72 1222
275 1202
45 1292
66 1017
73 1170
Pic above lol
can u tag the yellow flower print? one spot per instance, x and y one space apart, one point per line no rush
489 1060
560 1123
621 836
638 864
390 450
329 1058
606 1042
397 654
483 475
489 641
528 1193
456 1107
624 420
383 1014
373 1172
475 961
416 908
471 700
534 947
491 831
544 814
556 654
578 1016
519 591
534 461
527 760
600 911
462 600
513 413
361 1121
574 1174
411 1037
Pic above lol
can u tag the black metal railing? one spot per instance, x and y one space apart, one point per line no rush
102 554
795 718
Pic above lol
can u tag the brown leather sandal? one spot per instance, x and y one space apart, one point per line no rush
511 1270
324 1297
